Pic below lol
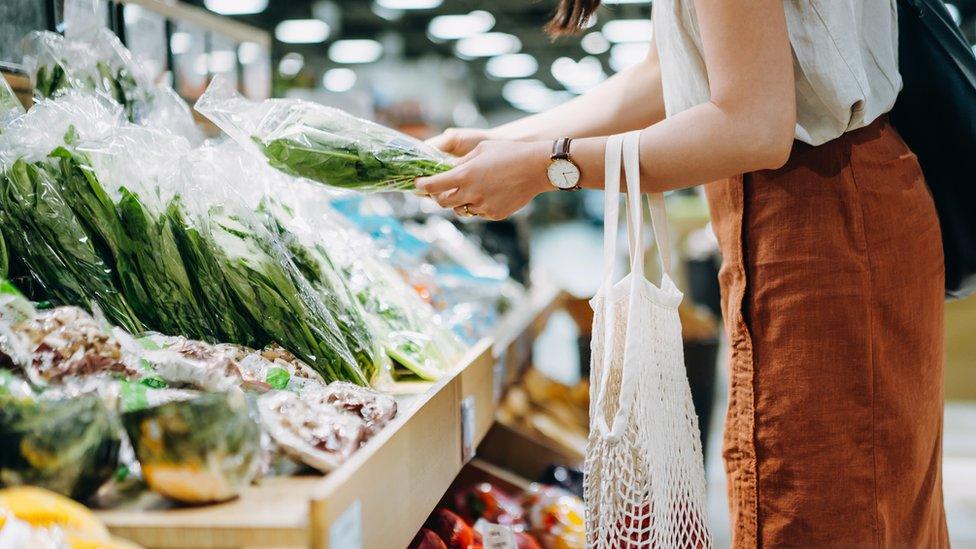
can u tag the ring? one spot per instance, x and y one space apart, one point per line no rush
467 211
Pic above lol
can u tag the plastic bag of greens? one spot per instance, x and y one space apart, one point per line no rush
66 445
408 328
195 447
50 241
10 105
90 57
321 143
286 291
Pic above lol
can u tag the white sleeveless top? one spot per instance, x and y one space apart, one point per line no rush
845 60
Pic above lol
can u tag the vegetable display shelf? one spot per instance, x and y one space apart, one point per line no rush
379 497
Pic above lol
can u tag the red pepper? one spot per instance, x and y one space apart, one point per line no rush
451 528
425 539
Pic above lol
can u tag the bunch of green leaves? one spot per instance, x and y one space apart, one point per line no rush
332 147
279 297
70 264
70 446
115 83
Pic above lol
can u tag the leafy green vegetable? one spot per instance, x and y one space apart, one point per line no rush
320 155
199 449
115 83
71 265
69 446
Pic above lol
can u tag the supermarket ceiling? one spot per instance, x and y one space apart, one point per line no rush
500 41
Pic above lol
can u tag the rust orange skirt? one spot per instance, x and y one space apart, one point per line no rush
832 289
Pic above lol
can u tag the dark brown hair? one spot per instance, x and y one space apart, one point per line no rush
570 16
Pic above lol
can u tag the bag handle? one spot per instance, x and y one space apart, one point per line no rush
628 147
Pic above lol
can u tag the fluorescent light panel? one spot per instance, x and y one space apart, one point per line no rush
355 51
487 45
302 31
409 4
236 7
454 27
339 80
512 65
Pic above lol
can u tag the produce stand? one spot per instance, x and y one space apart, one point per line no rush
381 496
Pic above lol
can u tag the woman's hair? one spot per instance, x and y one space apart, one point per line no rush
570 16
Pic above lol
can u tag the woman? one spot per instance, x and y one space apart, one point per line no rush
833 271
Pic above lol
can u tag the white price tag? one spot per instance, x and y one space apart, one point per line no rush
467 428
347 531
495 536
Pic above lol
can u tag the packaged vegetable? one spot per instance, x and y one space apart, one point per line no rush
555 517
69 446
90 58
317 434
201 448
376 409
427 539
486 501
320 143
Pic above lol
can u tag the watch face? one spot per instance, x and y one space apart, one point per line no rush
563 173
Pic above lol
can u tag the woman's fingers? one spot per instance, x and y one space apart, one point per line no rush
439 183
451 199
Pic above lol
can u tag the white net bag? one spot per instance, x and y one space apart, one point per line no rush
645 481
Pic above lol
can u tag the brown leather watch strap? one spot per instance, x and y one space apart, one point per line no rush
560 148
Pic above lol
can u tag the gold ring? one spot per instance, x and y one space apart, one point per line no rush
467 211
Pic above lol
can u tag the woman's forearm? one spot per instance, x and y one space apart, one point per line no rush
702 144
630 99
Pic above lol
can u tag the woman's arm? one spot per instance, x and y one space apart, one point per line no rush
748 123
628 100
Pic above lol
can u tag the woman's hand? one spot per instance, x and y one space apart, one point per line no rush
494 180
459 141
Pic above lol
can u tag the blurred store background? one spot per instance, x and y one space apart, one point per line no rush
423 65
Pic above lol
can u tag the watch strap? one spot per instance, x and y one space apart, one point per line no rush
560 148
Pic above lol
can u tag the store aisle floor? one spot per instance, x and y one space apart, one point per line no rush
570 253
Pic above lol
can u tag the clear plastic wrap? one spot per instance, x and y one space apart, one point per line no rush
321 143
408 329
69 446
90 57
196 448
285 288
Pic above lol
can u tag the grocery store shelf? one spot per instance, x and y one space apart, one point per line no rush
381 496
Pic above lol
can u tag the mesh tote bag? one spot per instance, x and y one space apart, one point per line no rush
645 482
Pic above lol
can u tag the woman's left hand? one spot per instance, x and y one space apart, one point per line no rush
494 180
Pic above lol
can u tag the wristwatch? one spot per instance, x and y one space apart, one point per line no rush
563 173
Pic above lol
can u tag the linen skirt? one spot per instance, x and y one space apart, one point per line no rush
832 291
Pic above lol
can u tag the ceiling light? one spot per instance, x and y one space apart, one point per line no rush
954 12
409 4
628 30
302 31
180 42
578 76
512 65
132 13
339 80
386 13
249 52
595 43
487 45
453 27
355 51
221 61
236 7
625 55
291 64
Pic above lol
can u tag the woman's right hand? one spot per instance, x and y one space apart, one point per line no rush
459 141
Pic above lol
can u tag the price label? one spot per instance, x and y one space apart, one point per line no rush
347 531
495 536
467 428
